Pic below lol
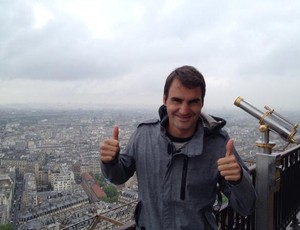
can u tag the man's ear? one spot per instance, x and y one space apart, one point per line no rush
165 100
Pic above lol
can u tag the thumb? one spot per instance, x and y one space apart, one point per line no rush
229 148
116 133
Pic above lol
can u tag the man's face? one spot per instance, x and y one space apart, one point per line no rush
183 107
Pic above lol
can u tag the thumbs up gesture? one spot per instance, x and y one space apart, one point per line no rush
110 148
228 166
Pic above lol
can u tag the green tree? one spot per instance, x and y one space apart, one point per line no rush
110 199
6 227
100 179
110 190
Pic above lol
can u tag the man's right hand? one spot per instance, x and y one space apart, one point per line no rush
109 149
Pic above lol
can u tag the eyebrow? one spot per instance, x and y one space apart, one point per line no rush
195 100
190 101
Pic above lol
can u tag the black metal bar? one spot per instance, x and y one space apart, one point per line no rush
287 199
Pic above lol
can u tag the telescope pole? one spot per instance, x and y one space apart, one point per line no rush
264 183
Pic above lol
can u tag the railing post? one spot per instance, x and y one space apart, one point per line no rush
266 184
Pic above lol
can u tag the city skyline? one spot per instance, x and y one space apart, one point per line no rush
52 155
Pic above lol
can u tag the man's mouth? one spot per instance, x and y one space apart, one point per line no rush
184 118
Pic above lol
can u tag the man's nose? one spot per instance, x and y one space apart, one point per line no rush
184 108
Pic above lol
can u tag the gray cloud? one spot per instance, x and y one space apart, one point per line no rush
240 47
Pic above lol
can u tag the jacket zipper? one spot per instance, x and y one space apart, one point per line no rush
183 178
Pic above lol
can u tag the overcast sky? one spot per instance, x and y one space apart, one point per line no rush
120 51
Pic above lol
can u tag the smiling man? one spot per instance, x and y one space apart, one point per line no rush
179 159
183 107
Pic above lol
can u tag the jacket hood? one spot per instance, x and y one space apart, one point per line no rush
210 122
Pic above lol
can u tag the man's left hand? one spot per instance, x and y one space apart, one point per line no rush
228 166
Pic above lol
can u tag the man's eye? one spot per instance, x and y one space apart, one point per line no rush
194 102
176 100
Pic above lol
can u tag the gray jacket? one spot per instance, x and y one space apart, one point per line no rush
177 189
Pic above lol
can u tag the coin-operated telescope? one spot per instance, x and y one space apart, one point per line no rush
269 120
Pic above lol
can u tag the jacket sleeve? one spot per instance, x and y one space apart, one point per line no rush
122 168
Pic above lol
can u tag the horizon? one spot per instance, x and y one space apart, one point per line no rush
291 115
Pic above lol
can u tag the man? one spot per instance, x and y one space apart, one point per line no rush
179 160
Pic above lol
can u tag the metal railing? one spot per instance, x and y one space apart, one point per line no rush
283 185
287 199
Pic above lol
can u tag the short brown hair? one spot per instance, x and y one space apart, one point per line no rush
189 77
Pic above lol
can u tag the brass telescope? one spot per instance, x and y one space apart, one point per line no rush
270 120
